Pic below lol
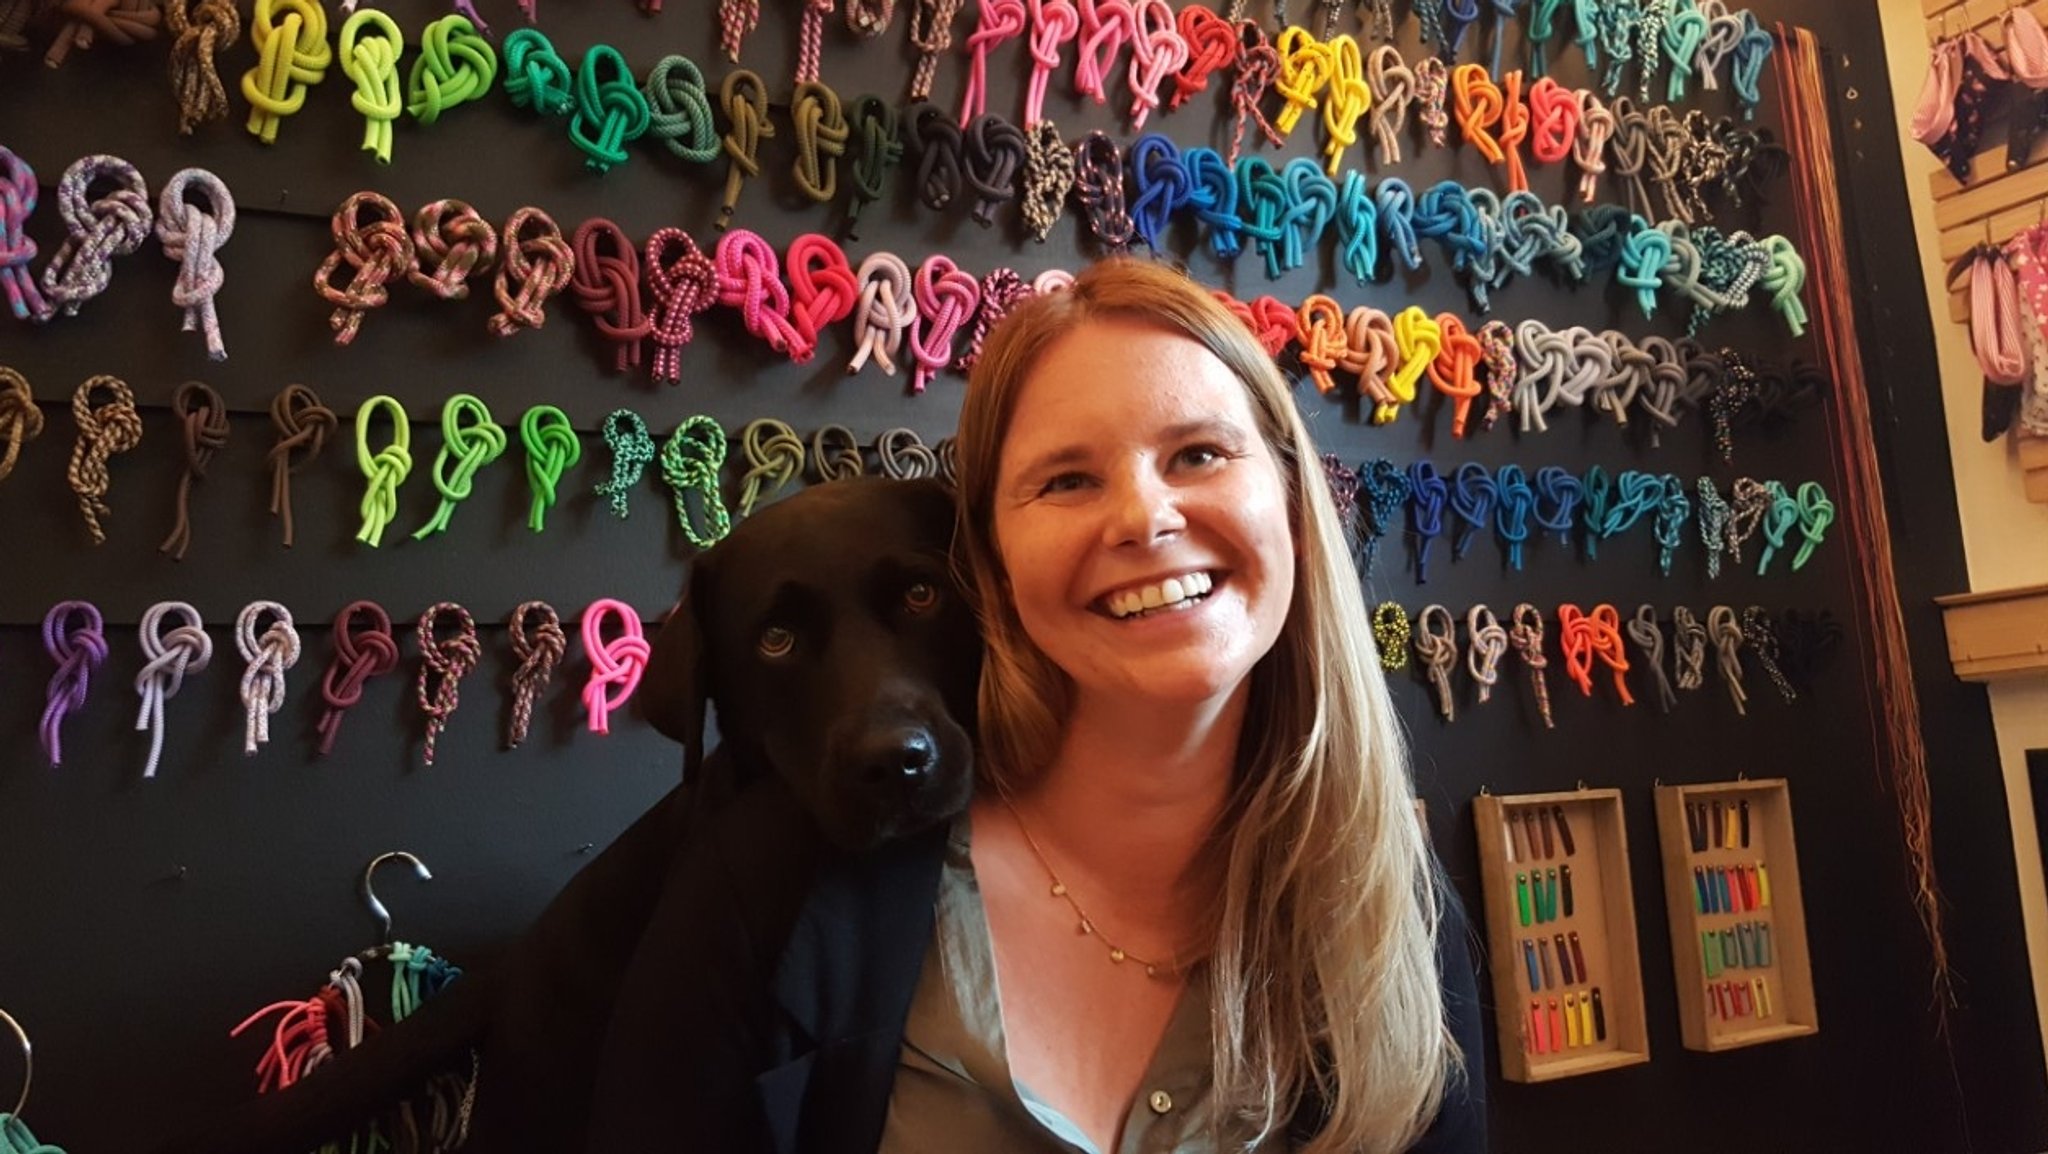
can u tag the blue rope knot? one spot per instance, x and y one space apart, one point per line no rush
1594 492
1473 496
1511 516
1425 513
1602 230
1397 214
1311 203
1162 184
1560 491
1357 228
1386 490
1262 201
1643 255
1212 193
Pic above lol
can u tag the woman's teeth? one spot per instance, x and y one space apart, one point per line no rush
1174 592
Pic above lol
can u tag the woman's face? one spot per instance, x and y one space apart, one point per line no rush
1141 521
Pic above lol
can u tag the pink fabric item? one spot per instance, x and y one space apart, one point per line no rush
2026 48
615 665
683 286
1053 23
2027 252
1157 52
1000 20
750 280
1995 334
1935 110
946 300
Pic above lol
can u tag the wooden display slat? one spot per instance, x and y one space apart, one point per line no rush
1772 856
1601 922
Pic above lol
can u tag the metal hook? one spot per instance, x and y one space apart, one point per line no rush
377 909
28 1061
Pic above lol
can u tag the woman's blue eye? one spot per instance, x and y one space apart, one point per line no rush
1200 454
1065 482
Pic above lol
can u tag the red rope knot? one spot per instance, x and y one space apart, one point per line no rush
745 100
370 236
362 650
444 662
1584 637
615 665
607 286
1000 292
192 235
1324 340
823 284
538 261
750 280
946 298
1000 20
270 655
684 286
1105 25
1273 322
103 430
452 243
1554 120
1053 23
98 230
20 419
886 311
1157 52
1455 368
1212 47
538 648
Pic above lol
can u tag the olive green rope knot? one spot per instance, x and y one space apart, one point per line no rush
455 65
471 440
625 434
536 76
775 457
876 124
690 462
746 109
610 112
821 135
552 448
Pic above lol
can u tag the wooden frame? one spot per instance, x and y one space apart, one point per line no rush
1714 1014
1997 634
1601 922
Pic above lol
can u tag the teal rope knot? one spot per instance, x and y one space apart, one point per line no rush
1816 513
1783 280
1682 36
552 448
690 462
16 1138
610 112
536 76
1643 256
680 110
1672 509
1779 519
417 974
471 440
1357 228
1594 492
1311 203
1262 199
625 434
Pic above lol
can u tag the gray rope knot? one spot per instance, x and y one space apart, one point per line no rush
1689 648
1727 638
1649 637
1489 643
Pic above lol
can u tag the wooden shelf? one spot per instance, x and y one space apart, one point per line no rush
1999 634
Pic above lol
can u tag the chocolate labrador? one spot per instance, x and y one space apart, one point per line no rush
831 644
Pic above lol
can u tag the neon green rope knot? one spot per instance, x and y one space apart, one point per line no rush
690 462
625 434
536 76
551 448
610 112
775 457
1784 280
455 65
469 438
385 470
371 64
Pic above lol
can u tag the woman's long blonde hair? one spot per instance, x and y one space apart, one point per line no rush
1324 982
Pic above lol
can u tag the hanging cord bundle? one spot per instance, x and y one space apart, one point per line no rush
470 439
538 262
750 281
1257 70
683 285
78 648
370 45
360 653
302 424
736 20
203 419
1527 638
1436 646
995 152
632 448
875 126
946 299
385 470
455 66
192 235
290 38
111 225
552 448
103 430
538 642
690 461
931 33
444 662
745 100
606 285
20 419
1048 178
1488 643
822 284
615 665
885 312
168 658
269 655
202 28
376 249
821 137
610 113
680 110
775 457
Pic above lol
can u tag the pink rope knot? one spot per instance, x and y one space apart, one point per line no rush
885 312
377 249
17 251
186 648
1105 25
453 242
607 286
1157 52
1000 20
1052 280
1053 23
444 662
540 264
683 287
615 665
192 235
359 654
823 283
269 656
101 229
750 280
78 649
1000 292
811 40
946 299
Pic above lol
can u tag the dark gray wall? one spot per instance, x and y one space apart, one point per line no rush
143 919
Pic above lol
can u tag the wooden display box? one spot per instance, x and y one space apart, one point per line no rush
1582 905
1738 923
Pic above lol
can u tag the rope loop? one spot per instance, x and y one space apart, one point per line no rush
625 434
192 235
203 421
745 100
444 662
470 439
78 647
360 653
270 655
539 648
835 454
384 470
371 43
302 423
111 225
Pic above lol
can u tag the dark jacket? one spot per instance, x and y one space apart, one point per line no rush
764 1009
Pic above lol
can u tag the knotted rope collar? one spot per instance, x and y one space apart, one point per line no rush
203 420
103 430
444 662
539 647
360 653
269 656
168 657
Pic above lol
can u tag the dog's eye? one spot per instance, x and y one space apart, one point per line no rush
776 641
921 597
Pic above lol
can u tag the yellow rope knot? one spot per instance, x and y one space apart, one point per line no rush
290 38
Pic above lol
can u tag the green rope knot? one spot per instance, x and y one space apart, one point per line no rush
1816 513
690 462
471 439
876 123
681 110
551 448
1784 280
625 434
536 76
775 457
385 469
607 102
455 65
371 63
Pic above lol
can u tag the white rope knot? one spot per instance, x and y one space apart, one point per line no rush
1489 644
113 225
192 235
186 648
269 656
885 312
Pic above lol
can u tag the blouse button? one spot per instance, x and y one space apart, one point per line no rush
1161 1102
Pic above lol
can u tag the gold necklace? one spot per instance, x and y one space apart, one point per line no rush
1117 953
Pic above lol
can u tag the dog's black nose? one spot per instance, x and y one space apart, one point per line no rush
904 757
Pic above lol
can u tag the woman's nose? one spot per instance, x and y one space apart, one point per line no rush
1144 509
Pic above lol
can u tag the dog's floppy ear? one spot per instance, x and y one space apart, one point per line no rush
674 691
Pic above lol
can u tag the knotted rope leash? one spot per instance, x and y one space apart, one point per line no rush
192 235
269 655
103 430
168 658
302 423
360 653
606 285
376 249
20 419
538 651
539 262
690 461
552 448
203 419
385 470
96 231
615 665
78 649
625 434
683 286
444 662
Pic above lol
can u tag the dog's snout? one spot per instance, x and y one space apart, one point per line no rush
903 757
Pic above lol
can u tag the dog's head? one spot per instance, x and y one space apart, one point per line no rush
828 634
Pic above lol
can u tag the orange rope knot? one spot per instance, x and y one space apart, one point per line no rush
1320 328
1455 369
1586 636
1371 352
1514 127
1478 103
538 262
378 249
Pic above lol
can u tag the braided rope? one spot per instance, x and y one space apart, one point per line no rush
625 434
1048 178
103 430
359 654
78 649
539 262
811 40
539 647
1001 290
869 18
376 250
552 448
444 662
931 33
302 424
1098 181
1257 70
269 656
736 20
203 419
470 439
606 285
690 461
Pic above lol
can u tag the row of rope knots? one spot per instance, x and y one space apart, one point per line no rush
270 654
821 137
946 299
202 28
994 153
538 643
1427 496
1001 290
606 284
1488 644
775 458
1211 48
290 39
371 43
192 235
884 313
745 100
20 419
1053 23
383 471
538 264
1436 644
1157 52
684 283
615 664
203 421
875 125
1726 635
1648 635
1517 500
371 238
78 647
632 450
1257 71
999 20
822 286
1526 636
1584 636
444 662
679 110
98 230
1473 494
302 425
360 653
690 461
750 280
470 439
1454 370
18 192
104 429
610 112
552 448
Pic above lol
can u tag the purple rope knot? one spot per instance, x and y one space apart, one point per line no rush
77 650
113 225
